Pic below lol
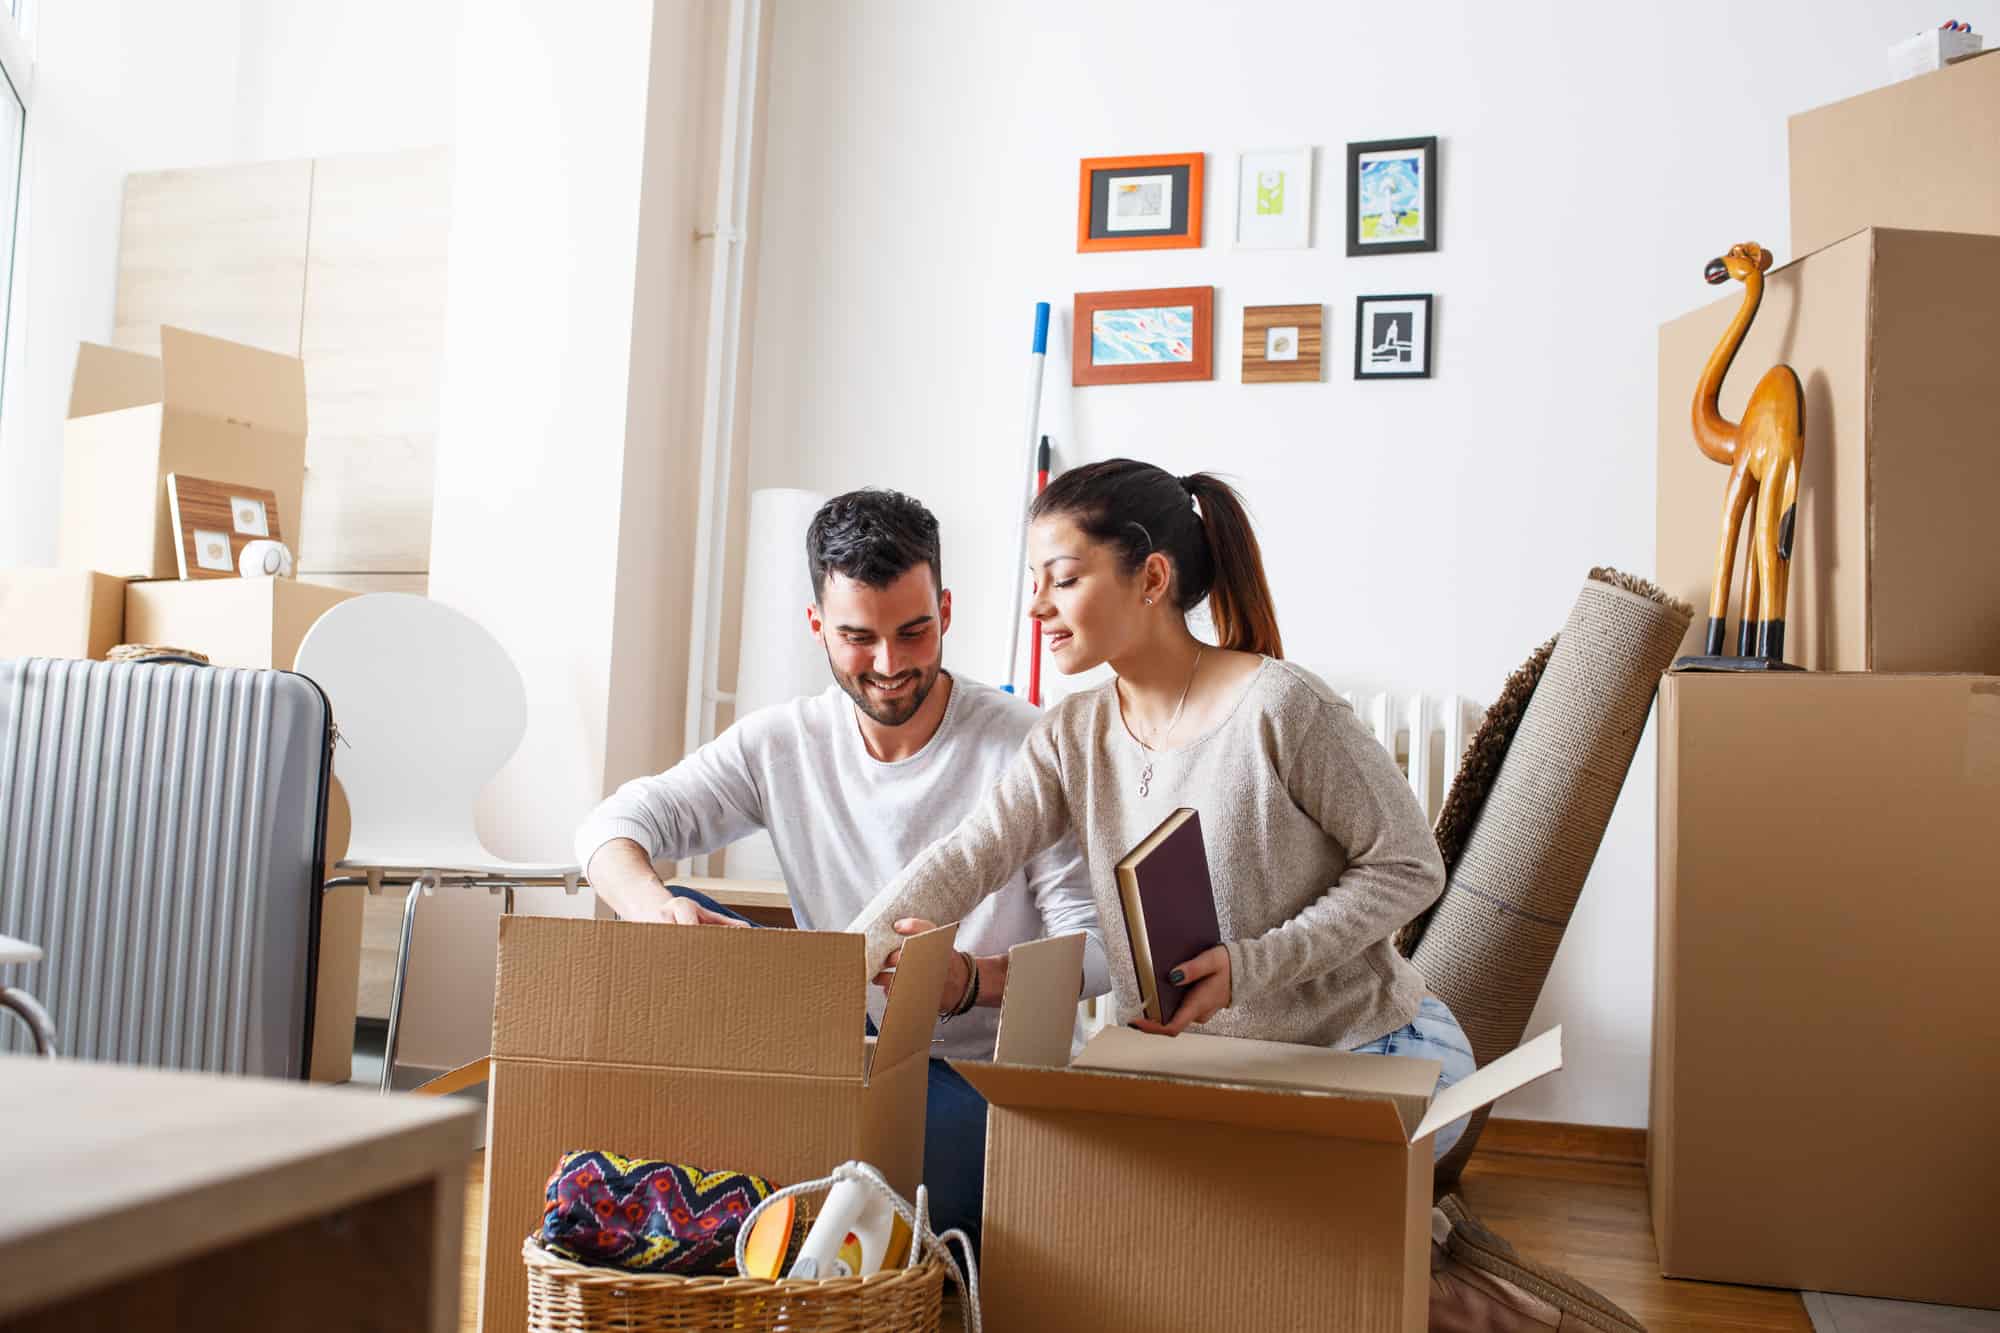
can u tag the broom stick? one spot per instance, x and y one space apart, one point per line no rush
1036 357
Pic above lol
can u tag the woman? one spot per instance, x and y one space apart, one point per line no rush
1316 846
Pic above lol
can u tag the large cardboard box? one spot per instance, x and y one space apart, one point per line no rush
234 622
721 1048
1915 154
60 613
205 407
1823 1070
1202 1182
1895 336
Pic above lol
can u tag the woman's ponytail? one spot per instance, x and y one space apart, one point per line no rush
1239 599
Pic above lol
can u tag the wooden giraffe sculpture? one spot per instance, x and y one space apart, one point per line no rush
1763 454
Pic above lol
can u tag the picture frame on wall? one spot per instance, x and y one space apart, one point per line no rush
1149 336
214 521
1282 344
1139 203
1392 337
1274 199
1392 196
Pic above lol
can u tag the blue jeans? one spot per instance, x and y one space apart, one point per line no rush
1432 1035
954 1128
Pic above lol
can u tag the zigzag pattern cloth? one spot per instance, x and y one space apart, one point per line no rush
647 1216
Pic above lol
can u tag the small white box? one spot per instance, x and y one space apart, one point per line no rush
1931 50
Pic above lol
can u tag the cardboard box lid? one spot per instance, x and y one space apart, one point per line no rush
772 1001
1222 1080
197 374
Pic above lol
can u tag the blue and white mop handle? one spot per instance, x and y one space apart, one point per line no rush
1036 358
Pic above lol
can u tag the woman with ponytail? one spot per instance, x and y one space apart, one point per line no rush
1317 848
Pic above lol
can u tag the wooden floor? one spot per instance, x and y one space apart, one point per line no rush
1587 1217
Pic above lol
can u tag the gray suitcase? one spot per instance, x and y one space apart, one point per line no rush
162 837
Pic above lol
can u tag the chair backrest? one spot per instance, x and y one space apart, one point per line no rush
428 706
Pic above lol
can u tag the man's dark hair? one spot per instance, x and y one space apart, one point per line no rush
873 537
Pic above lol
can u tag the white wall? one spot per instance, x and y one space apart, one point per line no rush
920 195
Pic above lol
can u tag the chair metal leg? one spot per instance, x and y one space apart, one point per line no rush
402 977
36 1017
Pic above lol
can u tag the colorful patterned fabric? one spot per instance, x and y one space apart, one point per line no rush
646 1216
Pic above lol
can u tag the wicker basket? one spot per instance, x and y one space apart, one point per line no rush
565 1297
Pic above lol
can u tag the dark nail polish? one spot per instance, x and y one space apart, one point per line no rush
1178 977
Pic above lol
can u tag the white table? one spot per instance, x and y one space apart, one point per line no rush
144 1198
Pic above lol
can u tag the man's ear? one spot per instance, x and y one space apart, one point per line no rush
813 623
944 610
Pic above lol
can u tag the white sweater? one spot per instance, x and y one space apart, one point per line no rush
844 823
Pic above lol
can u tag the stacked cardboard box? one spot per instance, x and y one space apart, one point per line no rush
210 408
1825 904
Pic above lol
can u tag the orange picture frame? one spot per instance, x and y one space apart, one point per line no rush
1199 363
1091 238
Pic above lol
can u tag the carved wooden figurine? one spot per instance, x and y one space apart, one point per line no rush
1763 454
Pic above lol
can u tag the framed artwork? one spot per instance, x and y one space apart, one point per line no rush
1392 337
1143 337
1392 196
1139 203
1274 198
214 521
1281 344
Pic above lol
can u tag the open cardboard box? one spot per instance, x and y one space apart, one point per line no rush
205 407
1206 1182
720 1048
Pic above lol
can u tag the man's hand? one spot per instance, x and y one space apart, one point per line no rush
1209 991
686 912
956 978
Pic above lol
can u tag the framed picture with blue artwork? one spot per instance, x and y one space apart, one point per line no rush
1392 337
1143 337
1392 196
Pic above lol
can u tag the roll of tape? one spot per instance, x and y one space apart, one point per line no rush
265 559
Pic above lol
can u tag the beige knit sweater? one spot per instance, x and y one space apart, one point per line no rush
1316 846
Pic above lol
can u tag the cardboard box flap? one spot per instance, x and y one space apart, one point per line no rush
111 379
786 1002
231 382
1405 1081
1321 1114
1516 1069
910 1019
1038 1013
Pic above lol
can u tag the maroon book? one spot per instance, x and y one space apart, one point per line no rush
1169 908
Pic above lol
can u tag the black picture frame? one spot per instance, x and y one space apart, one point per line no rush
1427 147
1364 337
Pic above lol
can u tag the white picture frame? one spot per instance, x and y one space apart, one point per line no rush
1274 199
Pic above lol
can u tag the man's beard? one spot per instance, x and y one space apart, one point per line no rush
889 712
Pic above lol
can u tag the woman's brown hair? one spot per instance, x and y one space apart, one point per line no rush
1136 509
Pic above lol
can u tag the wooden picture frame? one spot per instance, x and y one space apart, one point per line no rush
1387 166
1162 210
214 521
1282 344
1148 336
1393 337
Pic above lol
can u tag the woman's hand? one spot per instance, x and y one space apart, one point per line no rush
1206 975
956 978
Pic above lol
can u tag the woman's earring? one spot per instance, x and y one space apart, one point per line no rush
1149 601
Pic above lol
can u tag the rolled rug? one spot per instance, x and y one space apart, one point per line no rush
1487 946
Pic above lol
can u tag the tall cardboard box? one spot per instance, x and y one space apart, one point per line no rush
1824 1074
1895 336
205 407
254 622
1200 1182
1915 154
721 1048
60 613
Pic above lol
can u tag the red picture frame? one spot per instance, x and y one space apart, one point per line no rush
1091 207
1199 365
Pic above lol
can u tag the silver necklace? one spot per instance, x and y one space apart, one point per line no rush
1146 774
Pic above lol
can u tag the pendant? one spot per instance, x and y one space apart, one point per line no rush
1145 779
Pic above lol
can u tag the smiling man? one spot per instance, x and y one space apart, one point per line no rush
852 784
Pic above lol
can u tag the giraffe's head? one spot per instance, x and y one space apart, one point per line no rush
1741 261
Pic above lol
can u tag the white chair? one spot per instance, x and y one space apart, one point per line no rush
22 1004
427 706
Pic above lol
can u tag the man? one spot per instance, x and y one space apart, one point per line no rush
851 784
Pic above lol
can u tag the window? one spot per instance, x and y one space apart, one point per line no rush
17 74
